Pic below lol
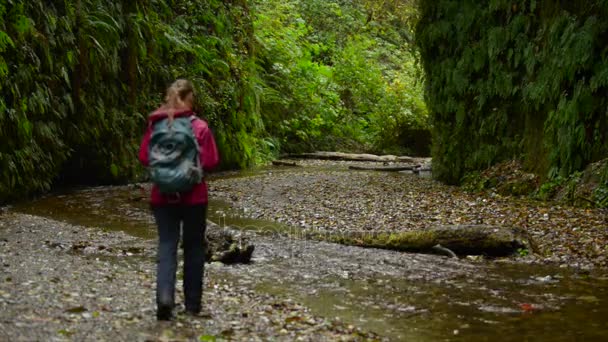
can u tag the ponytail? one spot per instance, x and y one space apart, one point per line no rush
176 93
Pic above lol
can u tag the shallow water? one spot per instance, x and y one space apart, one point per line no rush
401 296
462 310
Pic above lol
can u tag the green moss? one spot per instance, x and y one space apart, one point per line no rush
399 241
510 79
518 187
78 79
461 240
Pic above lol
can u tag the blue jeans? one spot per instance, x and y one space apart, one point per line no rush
192 219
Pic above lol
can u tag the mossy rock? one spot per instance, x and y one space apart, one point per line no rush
524 185
507 178
586 189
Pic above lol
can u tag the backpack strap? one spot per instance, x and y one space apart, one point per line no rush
198 148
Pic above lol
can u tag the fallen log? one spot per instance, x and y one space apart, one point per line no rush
421 169
452 240
405 159
283 163
351 157
382 168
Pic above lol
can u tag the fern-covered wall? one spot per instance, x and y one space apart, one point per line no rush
78 77
509 79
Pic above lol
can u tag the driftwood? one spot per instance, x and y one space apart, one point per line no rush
422 169
283 163
382 168
479 239
351 157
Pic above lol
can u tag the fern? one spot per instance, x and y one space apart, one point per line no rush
79 77
495 71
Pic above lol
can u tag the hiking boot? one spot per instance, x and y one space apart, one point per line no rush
193 311
164 306
164 312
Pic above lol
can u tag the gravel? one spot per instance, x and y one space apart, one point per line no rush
66 282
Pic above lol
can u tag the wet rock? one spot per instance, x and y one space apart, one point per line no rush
228 246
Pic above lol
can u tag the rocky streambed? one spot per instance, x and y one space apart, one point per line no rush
68 282
327 198
80 265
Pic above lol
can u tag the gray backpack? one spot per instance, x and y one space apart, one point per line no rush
174 155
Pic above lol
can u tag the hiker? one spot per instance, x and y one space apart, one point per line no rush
178 201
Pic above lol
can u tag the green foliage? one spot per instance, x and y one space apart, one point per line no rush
515 78
588 188
522 252
600 194
338 75
550 188
78 78
474 182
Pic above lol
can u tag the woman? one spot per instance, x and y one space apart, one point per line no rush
187 209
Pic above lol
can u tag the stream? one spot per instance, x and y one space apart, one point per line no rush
400 296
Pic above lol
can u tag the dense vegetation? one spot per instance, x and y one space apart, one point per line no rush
516 79
340 75
505 80
78 77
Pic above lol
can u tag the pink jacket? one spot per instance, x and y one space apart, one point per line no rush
209 158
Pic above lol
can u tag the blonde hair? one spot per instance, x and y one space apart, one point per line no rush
176 93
